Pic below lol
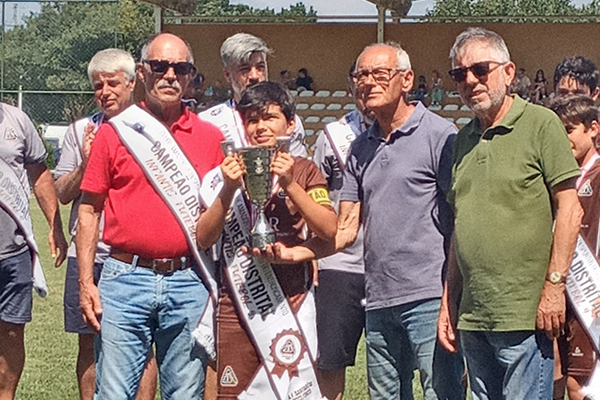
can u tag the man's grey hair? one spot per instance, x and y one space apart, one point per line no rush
110 61
148 42
401 54
483 36
239 47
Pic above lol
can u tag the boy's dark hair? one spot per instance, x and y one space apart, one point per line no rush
263 94
580 68
575 109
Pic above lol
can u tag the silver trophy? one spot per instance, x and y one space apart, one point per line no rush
259 184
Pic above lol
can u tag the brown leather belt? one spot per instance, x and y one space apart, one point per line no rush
162 266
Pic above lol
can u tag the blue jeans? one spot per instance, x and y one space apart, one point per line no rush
401 338
141 308
509 365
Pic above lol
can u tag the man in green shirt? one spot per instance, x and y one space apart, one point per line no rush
505 288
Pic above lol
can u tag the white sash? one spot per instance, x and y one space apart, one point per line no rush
14 199
342 133
285 342
583 289
176 181
225 117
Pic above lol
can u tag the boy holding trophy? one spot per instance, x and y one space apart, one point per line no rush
266 339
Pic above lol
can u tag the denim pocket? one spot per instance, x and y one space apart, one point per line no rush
194 273
112 269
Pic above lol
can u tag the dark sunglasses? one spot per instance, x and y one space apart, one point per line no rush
480 70
161 67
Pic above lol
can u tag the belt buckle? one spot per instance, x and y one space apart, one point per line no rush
162 262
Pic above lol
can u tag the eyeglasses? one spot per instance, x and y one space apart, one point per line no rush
381 76
480 70
161 67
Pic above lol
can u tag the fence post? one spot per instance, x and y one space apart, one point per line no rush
20 98
3 52
380 23
158 16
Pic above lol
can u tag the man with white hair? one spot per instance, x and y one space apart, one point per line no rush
507 265
112 75
340 293
244 58
395 181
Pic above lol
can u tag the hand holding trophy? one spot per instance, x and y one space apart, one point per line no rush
258 182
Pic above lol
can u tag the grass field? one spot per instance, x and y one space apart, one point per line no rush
50 366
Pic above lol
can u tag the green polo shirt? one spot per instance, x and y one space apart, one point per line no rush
501 182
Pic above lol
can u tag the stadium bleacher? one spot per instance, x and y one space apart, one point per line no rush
324 106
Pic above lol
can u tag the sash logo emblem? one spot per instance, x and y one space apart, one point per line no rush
215 181
287 350
228 378
216 112
586 189
10 134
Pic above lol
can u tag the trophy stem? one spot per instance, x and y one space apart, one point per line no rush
262 233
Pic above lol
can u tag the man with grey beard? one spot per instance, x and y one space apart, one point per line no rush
244 59
507 266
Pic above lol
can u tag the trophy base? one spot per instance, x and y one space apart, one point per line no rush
261 240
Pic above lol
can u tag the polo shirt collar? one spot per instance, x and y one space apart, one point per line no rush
405 129
508 122
185 122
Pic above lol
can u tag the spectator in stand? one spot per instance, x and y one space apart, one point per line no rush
193 97
539 87
437 90
421 91
521 85
219 92
304 81
286 79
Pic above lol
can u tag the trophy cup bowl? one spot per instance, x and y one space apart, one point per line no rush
257 160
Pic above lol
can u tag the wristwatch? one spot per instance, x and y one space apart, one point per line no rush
556 277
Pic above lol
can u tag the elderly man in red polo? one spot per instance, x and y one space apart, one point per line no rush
144 171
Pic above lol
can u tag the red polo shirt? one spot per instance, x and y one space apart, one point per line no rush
136 219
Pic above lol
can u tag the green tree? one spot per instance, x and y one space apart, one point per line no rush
224 11
52 49
511 11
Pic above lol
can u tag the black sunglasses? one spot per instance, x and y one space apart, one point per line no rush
161 67
480 70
